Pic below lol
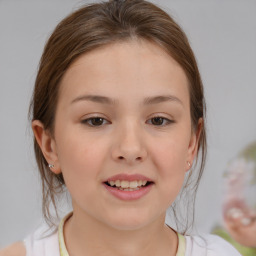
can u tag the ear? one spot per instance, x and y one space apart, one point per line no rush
47 144
193 144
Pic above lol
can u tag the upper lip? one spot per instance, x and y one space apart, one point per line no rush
128 177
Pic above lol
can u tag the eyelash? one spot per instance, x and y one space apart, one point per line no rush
88 120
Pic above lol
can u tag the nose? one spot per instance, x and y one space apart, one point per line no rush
129 146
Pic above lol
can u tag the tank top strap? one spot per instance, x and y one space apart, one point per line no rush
64 252
182 245
63 249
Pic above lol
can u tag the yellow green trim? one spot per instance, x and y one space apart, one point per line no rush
182 245
63 249
64 252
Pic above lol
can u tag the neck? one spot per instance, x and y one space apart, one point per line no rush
86 236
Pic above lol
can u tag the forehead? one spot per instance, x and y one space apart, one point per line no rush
132 68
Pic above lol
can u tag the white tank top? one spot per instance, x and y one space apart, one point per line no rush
41 244
38 246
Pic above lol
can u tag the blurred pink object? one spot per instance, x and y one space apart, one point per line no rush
239 204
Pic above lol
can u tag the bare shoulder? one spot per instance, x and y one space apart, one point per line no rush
16 249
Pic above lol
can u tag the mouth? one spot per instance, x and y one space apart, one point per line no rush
126 185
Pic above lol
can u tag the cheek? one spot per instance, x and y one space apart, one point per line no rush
170 154
169 158
170 163
82 160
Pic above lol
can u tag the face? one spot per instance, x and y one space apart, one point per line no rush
123 135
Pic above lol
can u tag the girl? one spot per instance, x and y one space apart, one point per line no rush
118 118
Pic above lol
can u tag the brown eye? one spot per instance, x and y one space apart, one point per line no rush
97 121
94 121
157 120
160 121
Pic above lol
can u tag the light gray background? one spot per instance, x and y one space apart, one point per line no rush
223 36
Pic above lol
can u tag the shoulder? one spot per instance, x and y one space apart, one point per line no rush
42 243
211 244
16 249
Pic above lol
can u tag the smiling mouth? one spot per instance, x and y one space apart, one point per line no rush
128 185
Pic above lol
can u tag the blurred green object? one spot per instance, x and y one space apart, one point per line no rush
249 153
245 251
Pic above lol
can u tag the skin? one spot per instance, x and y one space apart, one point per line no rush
127 141
243 233
16 249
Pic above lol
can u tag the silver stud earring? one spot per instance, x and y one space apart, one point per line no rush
189 164
51 165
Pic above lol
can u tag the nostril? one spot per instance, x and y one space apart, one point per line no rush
137 158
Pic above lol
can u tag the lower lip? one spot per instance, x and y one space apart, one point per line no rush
129 195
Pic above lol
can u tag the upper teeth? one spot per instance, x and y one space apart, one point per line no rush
127 184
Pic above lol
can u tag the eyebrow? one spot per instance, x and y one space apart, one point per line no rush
147 101
160 99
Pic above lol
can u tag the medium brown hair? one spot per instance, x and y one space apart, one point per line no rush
93 26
